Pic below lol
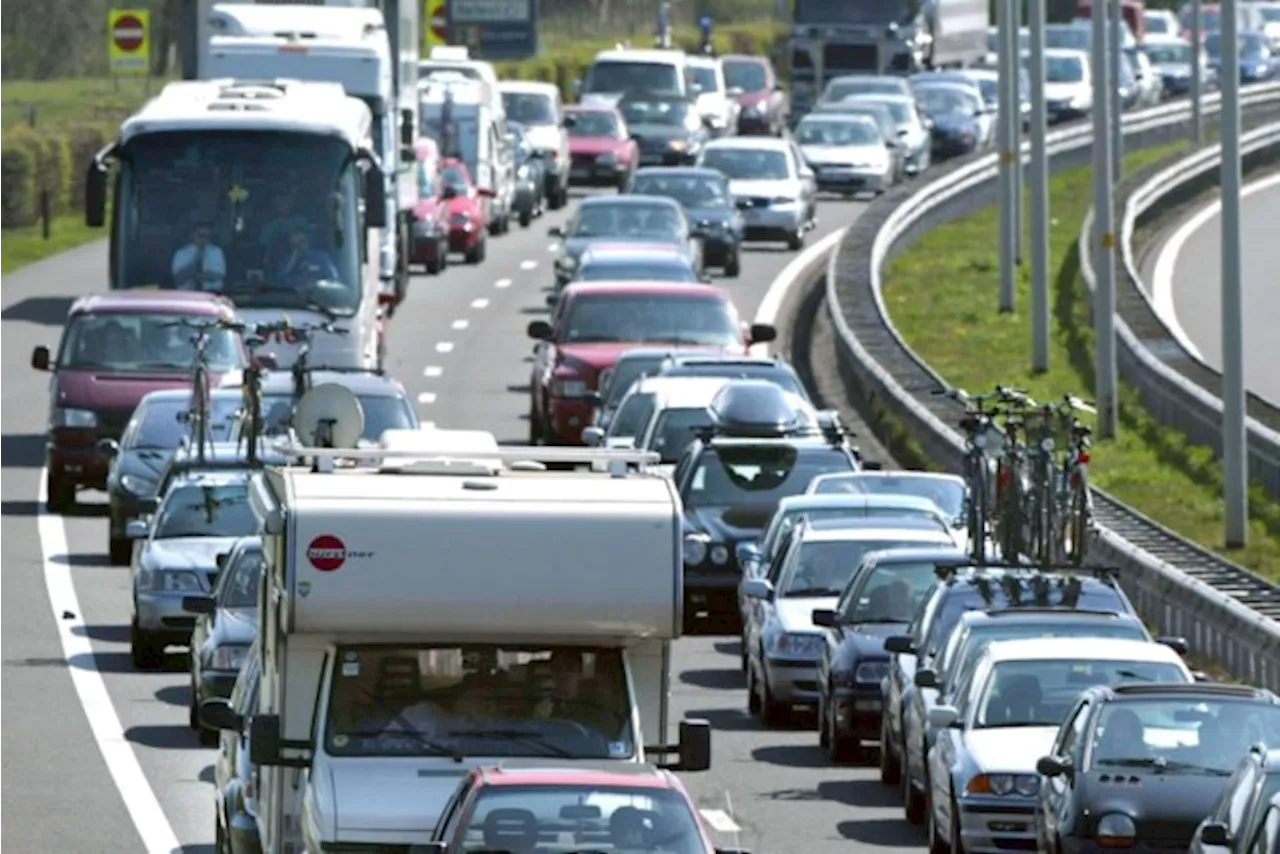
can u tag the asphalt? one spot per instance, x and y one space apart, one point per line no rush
1197 293
459 345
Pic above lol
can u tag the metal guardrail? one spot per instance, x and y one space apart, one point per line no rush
1179 389
1223 610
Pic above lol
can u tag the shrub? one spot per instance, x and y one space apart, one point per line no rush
32 163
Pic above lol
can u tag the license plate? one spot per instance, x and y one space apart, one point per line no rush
866 705
650 158
580 172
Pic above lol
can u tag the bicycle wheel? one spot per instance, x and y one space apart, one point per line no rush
1081 522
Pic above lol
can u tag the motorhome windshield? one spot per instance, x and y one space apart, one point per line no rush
624 76
855 11
480 700
462 140
272 217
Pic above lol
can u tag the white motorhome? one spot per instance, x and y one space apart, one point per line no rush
346 45
453 607
451 59
457 113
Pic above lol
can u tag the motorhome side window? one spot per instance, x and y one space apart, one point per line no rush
480 700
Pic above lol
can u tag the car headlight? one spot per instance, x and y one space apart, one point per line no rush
176 581
678 144
719 554
523 172
1026 785
871 672
695 549
228 657
70 417
569 388
1116 830
135 485
789 643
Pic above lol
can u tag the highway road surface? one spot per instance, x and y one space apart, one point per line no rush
1187 277
99 758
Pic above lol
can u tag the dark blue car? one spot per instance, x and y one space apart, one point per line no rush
956 112
704 195
1257 62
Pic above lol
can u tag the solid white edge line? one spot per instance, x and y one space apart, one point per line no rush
1162 278
777 293
720 821
139 799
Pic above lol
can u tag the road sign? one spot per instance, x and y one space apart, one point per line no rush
129 41
497 29
437 23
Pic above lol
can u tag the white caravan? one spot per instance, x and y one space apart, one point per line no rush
455 606
450 59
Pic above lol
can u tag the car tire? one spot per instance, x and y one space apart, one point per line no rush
120 550
840 749
535 425
476 254
742 654
913 802
733 266
61 491
526 217
145 653
772 713
938 844
795 242
753 692
890 763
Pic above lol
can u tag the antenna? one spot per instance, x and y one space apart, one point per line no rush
329 416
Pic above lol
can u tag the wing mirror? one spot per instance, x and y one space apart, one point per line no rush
150 504
824 618
1178 645
944 717
136 529
40 358
485 193
555 231
1215 833
762 333
758 588
592 437
217 713
539 330
108 447
266 361
926 677
221 560
375 197
694 747
448 191
748 554
1052 766
408 155
900 644
569 121
198 605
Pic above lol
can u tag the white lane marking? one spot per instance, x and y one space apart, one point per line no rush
1166 265
460 324
483 302
444 347
553 247
777 293
720 821
139 799
502 283
426 398
432 371
528 265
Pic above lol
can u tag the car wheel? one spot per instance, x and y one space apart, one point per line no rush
145 652
475 255
733 266
753 691
913 802
938 844
957 841
795 242
746 665
890 763
61 489
772 713
120 550
526 217
840 748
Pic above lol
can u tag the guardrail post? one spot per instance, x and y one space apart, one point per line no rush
1039 193
1007 30
1104 301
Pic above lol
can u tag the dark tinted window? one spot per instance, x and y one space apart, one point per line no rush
116 341
675 429
758 476
627 372
381 413
748 164
657 319
824 568
891 593
161 428
631 271
1093 597
692 191
745 75
594 123
242 584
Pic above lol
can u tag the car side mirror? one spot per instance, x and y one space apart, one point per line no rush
539 330
944 717
569 121
150 504
408 155
95 194
762 333
221 560
900 644
40 358
136 529
926 677
264 740
695 745
108 447
199 605
1215 833
758 588
1053 766
825 618
872 465
592 437
705 279
408 129
217 713
266 361
748 553
594 398
555 231
806 173
375 198
1201 676
777 87
1178 645
742 204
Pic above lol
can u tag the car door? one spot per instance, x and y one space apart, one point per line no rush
902 671
544 354
760 610
1058 805
1266 838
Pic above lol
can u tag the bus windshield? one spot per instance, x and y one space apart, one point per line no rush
268 218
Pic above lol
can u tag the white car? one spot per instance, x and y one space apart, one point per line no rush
718 110
771 185
1161 22
982 768
848 154
537 107
1068 84
914 137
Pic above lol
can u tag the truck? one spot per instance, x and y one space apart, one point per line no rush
440 603
235 171
371 48
833 37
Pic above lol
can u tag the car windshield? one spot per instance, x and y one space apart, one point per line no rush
829 132
662 222
612 77
936 100
1185 735
480 700
691 191
1039 591
202 510
241 590
651 318
164 424
675 429
594 123
633 271
872 513
745 75
748 164
529 108
1157 25
706 79
655 112
1254 46
824 567
1041 692
427 187
758 476
947 494
991 90
1063 69
632 415
779 376
1069 37
381 413
981 637
601 819
455 176
1168 54
890 593
841 88
121 342
617 381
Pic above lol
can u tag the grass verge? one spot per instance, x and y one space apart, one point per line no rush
50 105
942 295
22 246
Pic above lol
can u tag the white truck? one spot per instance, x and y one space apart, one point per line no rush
343 44
450 604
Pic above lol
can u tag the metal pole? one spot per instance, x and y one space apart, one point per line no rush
1015 124
1104 260
1115 45
1235 457
1197 78
1039 193
1008 268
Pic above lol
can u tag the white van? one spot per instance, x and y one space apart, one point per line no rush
456 60
537 107
616 72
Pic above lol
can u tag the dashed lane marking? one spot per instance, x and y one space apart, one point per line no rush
444 347
480 303
528 265
502 283
461 324
426 398
553 247
720 821
432 371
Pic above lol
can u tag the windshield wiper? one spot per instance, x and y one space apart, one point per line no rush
518 735
1160 763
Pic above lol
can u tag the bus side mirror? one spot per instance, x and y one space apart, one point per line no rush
264 740
95 195
407 128
695 745
375 197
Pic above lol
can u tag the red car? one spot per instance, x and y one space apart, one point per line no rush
601 148
517 808
468 208
593 323
115 348
430 246
764 103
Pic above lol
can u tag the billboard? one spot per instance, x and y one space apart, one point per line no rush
495 29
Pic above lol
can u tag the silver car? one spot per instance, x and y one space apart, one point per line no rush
839 88
913 129
771 185
982 770
200 517
847 154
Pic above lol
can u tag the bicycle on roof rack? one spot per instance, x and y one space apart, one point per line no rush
304 334
197 416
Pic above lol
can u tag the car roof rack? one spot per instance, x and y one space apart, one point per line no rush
1204 689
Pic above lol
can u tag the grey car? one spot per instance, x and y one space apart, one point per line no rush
839 88
771 185
857 105
912 129
622 219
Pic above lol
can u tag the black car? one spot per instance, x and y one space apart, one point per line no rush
956 112
1246 818
774 369
234 776
704 195
853 661
531 176
668 130
226 626
1143 764
732 477
969 589
159 425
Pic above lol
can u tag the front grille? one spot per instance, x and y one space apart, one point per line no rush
757 201
655 146
837 58
582 161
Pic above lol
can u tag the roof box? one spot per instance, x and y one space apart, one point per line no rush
755 409
450 53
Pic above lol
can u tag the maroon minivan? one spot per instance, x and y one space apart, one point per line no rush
115 348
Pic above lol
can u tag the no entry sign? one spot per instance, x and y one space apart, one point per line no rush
129 40
437 23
